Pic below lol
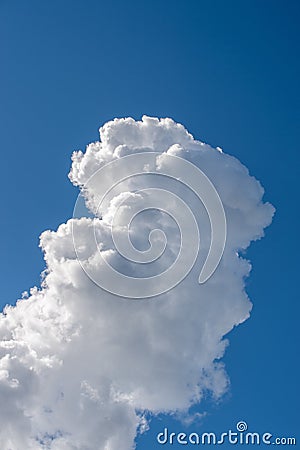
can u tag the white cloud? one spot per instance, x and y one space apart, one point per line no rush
77 363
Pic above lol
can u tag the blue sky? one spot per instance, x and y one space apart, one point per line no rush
229 71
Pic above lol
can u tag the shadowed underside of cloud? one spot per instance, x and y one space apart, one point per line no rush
79 366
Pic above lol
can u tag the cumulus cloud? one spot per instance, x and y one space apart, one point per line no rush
79 366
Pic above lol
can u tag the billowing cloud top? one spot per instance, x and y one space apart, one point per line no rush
79 365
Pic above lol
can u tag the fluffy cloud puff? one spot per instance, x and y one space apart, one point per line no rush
79 366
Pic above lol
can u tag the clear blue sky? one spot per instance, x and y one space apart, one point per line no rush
229 71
